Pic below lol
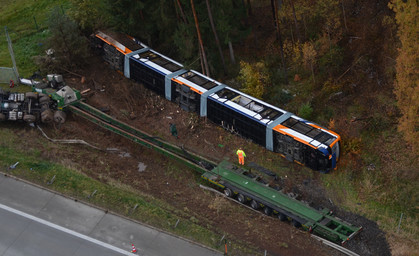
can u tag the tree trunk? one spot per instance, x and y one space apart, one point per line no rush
292 34
344 16
249 8
273 12
230 47
297 31
181 12
312 72
201 59
204 57
176 9
278 35
305 26
216 36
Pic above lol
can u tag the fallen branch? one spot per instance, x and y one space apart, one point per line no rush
353 64
68 71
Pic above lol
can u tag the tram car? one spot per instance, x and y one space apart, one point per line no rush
294 138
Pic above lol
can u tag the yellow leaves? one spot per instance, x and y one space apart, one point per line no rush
332 124
254 78
407 77
309 53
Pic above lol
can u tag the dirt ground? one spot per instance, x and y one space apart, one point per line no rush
132 103
145 110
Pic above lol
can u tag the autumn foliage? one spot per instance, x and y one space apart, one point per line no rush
407 76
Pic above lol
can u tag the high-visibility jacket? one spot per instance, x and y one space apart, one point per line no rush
241 153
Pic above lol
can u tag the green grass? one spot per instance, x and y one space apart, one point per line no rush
380 190
27 35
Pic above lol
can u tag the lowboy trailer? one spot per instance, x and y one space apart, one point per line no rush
250 188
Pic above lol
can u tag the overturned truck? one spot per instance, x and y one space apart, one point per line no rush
35 107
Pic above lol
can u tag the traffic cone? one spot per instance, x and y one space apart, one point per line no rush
134 250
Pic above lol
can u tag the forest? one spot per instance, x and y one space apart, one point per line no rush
349 65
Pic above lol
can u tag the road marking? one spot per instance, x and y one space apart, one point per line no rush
66 230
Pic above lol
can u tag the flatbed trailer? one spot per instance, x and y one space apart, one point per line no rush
236 182
96 116
247 187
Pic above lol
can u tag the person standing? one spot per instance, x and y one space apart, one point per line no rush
240 153
173 130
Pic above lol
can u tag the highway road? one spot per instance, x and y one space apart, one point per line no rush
35 222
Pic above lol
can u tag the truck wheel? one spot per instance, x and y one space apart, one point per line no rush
59 117
267 211
282 217
296 223
44 99
254 204
29 118
228 192
241 198
31 95
47 116
2 117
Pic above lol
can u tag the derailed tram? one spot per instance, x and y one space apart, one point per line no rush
277 130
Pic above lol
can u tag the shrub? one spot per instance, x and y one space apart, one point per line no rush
305 111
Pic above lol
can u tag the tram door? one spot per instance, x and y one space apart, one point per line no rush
292 149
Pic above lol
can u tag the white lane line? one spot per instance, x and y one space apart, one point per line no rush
66 230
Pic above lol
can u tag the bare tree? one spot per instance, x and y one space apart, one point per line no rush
181 12
200 39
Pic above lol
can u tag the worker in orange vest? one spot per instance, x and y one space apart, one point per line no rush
241 155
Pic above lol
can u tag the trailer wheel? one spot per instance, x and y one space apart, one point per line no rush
296 223
228 192
2 117
31 95
282 217
254 204
267 211
241 198
29 118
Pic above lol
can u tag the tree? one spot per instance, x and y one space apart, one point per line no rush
279 37
87 14
217 41
297 30
182 13
204 57
309 56
254 78
407 73
70 47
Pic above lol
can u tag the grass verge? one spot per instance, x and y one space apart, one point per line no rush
117 198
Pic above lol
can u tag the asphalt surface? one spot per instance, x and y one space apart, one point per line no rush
34 221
